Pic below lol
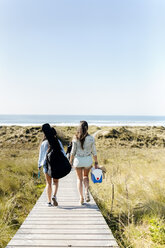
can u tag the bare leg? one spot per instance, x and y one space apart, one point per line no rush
86 182
48 186
80 182
55 186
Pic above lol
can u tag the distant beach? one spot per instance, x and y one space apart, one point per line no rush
73 120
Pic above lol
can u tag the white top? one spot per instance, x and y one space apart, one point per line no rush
88 147
43 152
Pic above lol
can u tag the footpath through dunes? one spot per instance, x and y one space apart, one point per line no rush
68 225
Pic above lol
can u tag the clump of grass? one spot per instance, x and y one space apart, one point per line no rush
149 233
157 231
134 137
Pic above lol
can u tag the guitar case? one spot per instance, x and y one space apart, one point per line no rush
58 162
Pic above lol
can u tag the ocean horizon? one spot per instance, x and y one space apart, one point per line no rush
73 120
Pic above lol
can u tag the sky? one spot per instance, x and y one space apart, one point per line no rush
96 57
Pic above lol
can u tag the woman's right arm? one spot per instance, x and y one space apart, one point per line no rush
42 154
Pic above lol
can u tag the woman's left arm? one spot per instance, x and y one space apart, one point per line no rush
96 161
73 151
71 159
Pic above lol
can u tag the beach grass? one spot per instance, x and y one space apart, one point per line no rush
131 196
19 189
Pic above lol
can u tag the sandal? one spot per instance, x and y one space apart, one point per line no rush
87 197
54 199
81 202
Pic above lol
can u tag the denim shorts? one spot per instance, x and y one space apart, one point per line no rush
45 169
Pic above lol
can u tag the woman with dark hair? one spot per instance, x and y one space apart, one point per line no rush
44 148
83 147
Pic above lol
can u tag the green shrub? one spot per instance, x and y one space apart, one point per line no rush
157 230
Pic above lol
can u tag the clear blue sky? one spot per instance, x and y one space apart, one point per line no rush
82 57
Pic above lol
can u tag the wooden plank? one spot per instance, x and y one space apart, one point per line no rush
66 213
53 226
67 218
65 230
68 243
68 207
55 214
72 203
9 246
52 236
65 222
63 216
85 207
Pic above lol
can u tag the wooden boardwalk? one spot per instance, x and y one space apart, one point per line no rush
68 225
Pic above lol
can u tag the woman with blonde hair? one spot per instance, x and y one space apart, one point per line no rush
83 147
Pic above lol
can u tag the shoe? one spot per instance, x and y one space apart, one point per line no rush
54 199
49 204
81 202
87 197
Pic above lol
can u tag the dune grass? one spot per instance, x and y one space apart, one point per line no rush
19 189
131 197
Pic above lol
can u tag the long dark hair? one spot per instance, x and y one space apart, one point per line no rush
54 133
53 139
82 132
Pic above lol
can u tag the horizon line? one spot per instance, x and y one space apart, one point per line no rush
85 115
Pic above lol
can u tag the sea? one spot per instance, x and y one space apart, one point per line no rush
73 120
